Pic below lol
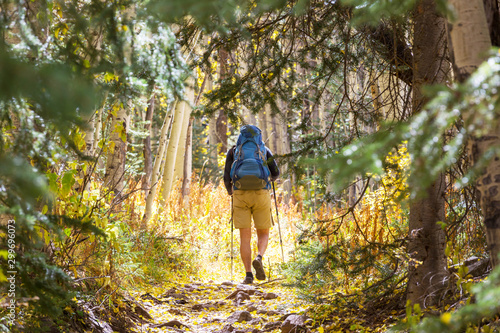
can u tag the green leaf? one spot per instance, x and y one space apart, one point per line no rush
67 182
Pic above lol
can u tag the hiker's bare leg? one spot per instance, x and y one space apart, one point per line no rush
262 240
245 248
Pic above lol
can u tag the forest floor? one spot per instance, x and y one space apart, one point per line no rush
223 307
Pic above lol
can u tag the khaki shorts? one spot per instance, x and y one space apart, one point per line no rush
252 202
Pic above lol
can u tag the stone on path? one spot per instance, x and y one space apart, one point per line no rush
294 324
172 323
239 316
272 326
269 296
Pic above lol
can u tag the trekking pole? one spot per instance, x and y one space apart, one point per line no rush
231 221
278 221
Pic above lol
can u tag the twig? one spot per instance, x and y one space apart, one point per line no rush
270 281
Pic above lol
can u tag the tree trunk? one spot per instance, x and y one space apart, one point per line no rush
222 118
493 20
212 140
212 131
115 163
273 143
263 123
470 38
148 159
188 160
173 145
428 273
155 176
181 151
283 149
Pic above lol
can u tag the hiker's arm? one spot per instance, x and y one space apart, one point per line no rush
227 171
273 166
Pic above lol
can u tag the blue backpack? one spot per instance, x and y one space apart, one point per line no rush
249 170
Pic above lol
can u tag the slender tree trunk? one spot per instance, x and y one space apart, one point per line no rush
188 160
222 118
181 151
115 163
212 139
98 126
428 273
352 92
173 145
471 41
155 176
148 159
283 149
263 123
273 143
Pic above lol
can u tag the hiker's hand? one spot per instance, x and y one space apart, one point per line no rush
230 192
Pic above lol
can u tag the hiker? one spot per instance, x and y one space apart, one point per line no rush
248 174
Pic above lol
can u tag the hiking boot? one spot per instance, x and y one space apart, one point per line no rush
259 269
248 280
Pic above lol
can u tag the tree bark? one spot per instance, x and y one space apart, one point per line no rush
115 163
492 13
471 41
173 145
212 140
221 125
428 273
212 130
188 160
155 176
469 37
263 115
148 159
182 151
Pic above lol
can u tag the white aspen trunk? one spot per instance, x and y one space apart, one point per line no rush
470 43
273 142
212 129
155 175
248 117
469 36
171 153
181 150
148 160
115 163
212 139
353 190
283 149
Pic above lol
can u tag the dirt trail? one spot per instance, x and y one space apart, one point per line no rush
223 307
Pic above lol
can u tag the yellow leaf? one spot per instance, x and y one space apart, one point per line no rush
446 318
